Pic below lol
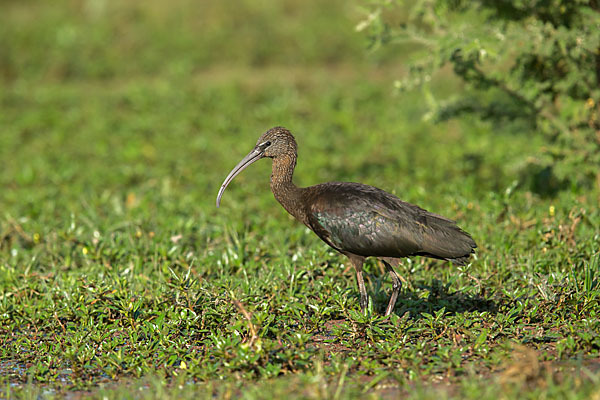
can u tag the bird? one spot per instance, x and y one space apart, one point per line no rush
357 220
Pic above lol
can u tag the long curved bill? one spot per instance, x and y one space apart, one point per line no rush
253 156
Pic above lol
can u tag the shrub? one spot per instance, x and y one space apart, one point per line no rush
533 65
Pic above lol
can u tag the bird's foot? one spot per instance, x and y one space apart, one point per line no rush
364 304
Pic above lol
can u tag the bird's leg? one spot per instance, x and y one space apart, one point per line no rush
364 297
357 262
396 285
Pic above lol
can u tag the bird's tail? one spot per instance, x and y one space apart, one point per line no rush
447 241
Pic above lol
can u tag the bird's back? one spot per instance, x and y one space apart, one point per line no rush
367 221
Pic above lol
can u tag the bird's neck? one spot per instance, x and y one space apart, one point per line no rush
284 190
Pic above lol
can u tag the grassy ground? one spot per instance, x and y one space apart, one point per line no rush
119 278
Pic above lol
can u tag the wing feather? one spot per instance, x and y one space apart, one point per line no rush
368 221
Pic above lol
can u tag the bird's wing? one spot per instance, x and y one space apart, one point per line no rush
364 220
368 221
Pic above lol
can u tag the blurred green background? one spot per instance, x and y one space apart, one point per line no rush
120 119
109 96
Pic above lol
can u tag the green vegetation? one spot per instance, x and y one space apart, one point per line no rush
529 66
119 278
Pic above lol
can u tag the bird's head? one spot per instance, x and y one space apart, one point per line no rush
276 142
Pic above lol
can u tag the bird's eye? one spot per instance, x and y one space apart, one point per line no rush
263 146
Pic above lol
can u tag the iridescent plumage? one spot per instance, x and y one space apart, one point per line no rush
357 220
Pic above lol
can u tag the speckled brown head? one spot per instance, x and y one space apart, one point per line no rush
274 143
277 141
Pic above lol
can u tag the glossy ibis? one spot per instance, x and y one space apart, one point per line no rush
357 220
